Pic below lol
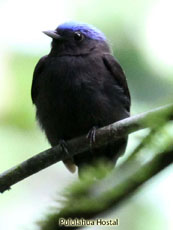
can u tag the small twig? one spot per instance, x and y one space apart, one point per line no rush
104 135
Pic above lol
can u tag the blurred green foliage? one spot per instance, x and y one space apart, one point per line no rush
21 113
123 23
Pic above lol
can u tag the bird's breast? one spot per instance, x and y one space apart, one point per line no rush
74 98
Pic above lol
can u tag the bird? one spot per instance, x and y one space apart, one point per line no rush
78 87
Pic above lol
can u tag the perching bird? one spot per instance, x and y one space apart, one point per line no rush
78 86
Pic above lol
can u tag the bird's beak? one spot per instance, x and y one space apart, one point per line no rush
52 34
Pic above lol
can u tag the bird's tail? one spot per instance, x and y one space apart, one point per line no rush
70 165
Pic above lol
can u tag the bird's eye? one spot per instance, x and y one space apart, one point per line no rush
78 36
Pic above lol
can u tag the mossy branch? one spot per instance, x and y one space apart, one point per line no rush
78 145
106 194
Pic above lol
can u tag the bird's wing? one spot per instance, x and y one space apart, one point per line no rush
37 73
115 69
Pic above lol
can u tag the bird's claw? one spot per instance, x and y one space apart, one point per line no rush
64 148
92 135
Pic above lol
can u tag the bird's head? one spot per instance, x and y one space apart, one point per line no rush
74 38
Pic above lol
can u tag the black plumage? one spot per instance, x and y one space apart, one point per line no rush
77 86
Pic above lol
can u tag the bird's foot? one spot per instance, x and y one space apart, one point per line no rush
69 163
63 145
92 135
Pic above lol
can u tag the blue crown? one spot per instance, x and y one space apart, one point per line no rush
88 30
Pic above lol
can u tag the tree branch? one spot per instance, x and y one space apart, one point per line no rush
81 144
